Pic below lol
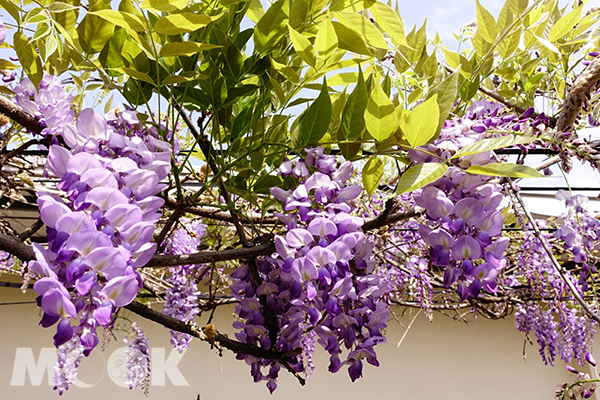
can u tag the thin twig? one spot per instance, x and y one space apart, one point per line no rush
553 259
30 231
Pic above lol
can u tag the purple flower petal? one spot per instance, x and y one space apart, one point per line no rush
120 291
322 227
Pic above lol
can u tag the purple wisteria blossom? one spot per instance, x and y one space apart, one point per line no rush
102 232
181 300
137 360
320 285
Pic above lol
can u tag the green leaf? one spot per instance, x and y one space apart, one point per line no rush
380 115
349 40
303 47
277 89
51 45
12 9
266 182
351 5
456 60
271 28
29 58
486 24
493 144
446 92
314 122
565 25
547 44
326 42
390 22
59 6
93 32
121 18
7 65
255 11
506 17
420 175
174 24
41 31
534 80
505 169
372 174
184 48
164 5
353 116
518 6
420 127
136 74
364 28
286 71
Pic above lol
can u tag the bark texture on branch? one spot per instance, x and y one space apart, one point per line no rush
17 114
577 95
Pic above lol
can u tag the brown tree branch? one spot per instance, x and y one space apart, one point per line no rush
577 95
203 257
183 327
30 231
219 215
17 114
17 248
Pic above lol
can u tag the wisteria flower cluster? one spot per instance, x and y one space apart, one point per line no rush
137 360
464 213
181 300
560 328
321 285
102 233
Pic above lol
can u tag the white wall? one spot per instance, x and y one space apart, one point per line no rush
440 360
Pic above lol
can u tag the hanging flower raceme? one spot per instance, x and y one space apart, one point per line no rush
181 300
320 285
464 215
101 234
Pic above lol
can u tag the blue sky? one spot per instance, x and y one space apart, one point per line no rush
447 16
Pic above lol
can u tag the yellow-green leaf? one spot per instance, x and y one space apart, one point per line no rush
272 27
313 123
29 58
390 22
564 25
174 24
7 65
505 169
420 175
486 24
352 123
380 115
183 77
326 42
135 74
492 144
164 5
255 11
288 72
372 174
303 47
518 6
93 32
446 92
349 40
363 28
420 127
184 48
121 18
